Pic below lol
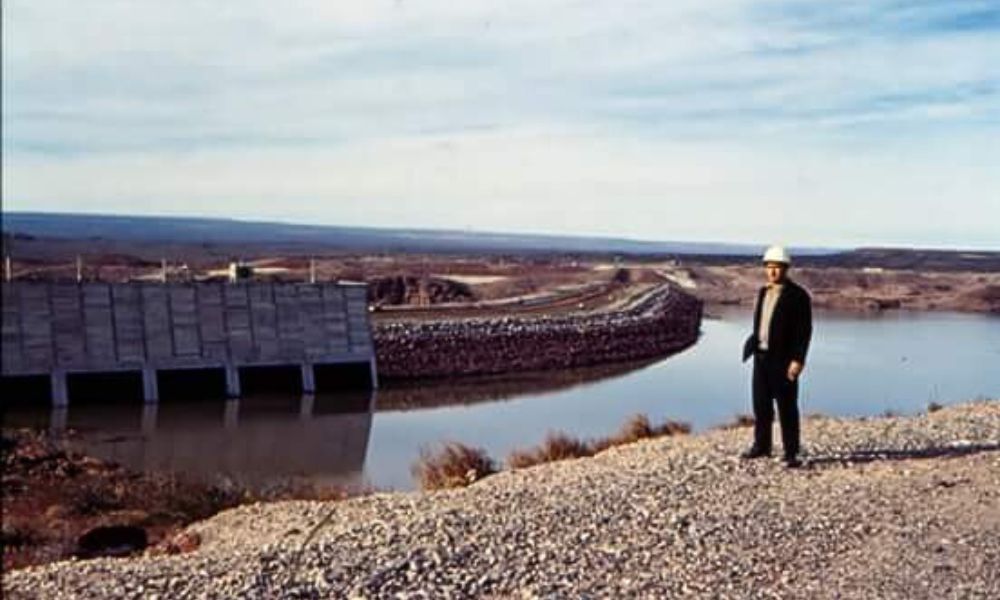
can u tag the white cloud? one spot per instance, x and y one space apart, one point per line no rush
716 120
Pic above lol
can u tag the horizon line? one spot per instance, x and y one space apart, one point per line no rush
485 232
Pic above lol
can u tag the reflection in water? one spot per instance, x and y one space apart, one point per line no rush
430 393
256 440
858 365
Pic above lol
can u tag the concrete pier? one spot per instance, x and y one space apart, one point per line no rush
232 381
150 387
308 379
60 391
59 330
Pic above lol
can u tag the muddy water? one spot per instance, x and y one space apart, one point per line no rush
859 365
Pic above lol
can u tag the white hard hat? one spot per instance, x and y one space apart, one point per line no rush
777 254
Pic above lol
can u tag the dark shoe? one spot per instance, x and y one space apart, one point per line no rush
792 462
754 452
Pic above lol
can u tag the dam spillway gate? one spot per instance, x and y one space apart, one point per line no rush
64 333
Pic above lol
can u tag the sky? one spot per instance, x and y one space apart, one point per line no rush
809 123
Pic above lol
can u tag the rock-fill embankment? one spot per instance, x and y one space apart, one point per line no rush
662 322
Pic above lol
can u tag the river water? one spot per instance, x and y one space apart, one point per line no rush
858 365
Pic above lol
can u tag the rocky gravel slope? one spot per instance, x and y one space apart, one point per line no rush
886 507
660 323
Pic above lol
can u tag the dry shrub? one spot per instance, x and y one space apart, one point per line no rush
520 459
669 428
455 465
635 429
638 428
557 446
560 446
934 407
739 422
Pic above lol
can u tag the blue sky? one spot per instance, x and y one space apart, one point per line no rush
806 122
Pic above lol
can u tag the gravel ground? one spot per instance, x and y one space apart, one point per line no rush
885 507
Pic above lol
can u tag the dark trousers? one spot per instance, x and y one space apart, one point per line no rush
770 385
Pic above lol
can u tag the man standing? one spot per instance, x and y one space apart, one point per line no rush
782 328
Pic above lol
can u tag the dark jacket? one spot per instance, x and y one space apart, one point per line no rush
791 325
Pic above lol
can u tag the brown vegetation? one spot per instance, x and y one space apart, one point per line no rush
559 446
738 422
638 428
454 465
458 465
857 289
52 498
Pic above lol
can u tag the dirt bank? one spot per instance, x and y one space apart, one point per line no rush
55 502
856 289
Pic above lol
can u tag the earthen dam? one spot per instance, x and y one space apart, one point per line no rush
660 322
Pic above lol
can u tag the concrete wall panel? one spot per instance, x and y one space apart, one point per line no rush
67 324
129 343
156 321
100 326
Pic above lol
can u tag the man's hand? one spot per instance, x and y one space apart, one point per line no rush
794 370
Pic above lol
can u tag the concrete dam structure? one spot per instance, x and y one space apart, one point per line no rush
62 334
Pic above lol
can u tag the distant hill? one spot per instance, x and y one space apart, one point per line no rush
46 236
183 230
909 259
913 259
